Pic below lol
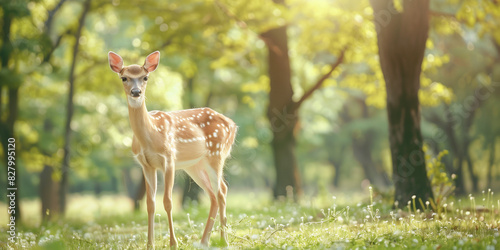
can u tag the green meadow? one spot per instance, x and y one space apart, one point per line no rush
344 221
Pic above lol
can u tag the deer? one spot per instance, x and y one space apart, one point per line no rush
197 141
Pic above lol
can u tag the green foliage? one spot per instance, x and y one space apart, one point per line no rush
216 45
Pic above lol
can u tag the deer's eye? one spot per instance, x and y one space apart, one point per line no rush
124 79
145 78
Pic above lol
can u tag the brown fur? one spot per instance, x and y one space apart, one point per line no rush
134 71
194 140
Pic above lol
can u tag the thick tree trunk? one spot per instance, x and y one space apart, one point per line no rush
282 113
287 175
70 110
401 42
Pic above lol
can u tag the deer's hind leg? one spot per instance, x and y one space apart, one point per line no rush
199 174
221 197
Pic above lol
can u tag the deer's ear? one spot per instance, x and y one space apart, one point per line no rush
152 61
115 62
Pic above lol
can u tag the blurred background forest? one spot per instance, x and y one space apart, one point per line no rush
68 113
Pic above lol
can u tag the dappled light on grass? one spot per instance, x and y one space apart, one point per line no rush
255 222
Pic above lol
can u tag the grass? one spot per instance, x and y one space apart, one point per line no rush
354 221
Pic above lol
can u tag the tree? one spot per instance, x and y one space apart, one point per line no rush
63 189
283 110
363 139
402 37
11 82
472 76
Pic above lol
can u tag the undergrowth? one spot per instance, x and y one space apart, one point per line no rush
256 223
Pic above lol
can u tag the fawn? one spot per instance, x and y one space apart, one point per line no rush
197 141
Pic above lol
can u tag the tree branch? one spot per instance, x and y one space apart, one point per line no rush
320 82
48 55
228 13
51 13
434 13
166 43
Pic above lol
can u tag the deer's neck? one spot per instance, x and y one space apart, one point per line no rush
141 123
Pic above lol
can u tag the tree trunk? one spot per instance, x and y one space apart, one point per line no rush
282 113
48 194
453 167
473 177
128 182
7 126
401 41
70 110
287 175
190 191
336 163
362 147
362 152
491 163
139 195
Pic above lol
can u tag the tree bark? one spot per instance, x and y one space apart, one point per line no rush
7 125
70 110
282 113
401 39
48 194
491 163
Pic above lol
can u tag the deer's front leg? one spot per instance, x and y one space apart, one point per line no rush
167 199
150 177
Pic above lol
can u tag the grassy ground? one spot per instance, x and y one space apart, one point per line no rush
254 222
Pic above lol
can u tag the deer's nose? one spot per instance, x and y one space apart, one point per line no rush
135 92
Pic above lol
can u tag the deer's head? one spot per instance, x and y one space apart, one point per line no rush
134 77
